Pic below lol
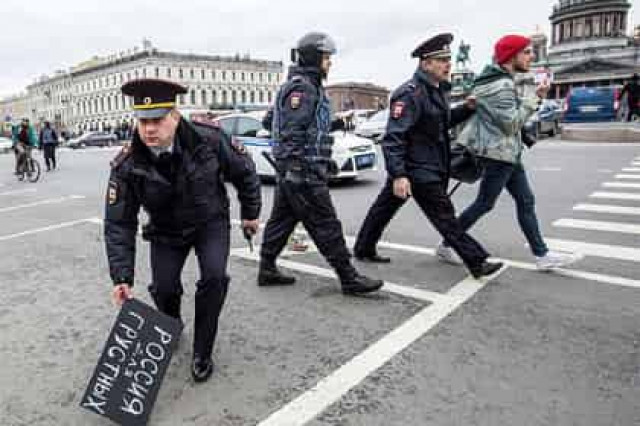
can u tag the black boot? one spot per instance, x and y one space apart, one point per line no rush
355 283
270 276
372 258
486 269
201 368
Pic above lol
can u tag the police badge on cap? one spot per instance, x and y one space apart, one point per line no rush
438 47
152 98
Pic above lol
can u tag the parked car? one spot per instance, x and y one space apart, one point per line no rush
590 104
93 139
353 154
545 121
375 126
5 144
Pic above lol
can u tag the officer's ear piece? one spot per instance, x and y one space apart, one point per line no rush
294 55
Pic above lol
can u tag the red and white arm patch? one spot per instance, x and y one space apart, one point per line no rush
295 99
397 108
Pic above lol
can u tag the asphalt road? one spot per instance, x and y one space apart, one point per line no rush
436 348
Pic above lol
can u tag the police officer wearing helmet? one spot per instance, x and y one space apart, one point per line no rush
301 126
416 148
175 171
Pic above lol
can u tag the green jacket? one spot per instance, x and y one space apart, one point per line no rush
495 130
33 139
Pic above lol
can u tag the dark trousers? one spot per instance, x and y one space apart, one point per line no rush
634 111
50 155
309 203
212 251
434 202
497 176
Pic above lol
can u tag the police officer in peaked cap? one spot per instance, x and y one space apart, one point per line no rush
174 170
416 148
301 126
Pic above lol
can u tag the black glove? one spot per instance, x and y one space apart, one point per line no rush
527 139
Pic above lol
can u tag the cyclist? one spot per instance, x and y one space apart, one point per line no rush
24 140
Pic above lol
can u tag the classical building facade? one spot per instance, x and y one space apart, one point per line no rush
590 44
346 96
88 95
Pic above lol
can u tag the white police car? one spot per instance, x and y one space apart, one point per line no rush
353 154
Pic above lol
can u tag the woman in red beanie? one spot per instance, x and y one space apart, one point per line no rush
494 133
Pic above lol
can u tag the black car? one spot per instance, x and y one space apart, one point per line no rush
93 139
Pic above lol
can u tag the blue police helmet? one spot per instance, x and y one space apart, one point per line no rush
311 47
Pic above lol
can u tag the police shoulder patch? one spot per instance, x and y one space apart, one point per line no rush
238 146
397 109
113 192
295 99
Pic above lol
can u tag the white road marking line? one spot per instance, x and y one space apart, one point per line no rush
621 185
311 403
43 202
600 208
547 169
636 164
44 229
585 275
616 195
599 250
19 191
595 225
631 170
627 177
415 293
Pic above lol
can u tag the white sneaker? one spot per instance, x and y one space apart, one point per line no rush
447 255
554 259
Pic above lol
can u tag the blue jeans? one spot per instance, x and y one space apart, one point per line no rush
497 176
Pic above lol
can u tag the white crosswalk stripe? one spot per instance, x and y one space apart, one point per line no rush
631 170
599 250
595 225
627 177
625 185
602 208
616 195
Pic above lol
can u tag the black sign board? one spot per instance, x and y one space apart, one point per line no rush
125 383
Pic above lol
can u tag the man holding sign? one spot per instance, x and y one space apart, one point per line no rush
174 169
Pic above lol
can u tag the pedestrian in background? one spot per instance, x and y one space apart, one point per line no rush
494 134
48 142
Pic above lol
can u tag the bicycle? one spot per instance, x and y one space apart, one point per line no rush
29 167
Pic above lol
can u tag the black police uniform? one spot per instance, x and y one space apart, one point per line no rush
632 90
416 146
301 123
184 196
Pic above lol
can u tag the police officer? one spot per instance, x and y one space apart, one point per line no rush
301 123
416 148
175 170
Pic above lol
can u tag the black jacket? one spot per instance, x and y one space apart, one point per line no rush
180 194
416 144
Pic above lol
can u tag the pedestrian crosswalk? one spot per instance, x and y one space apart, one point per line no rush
607 217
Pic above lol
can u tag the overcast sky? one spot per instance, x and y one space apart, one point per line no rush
374 38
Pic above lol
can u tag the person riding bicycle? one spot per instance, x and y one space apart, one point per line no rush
24 140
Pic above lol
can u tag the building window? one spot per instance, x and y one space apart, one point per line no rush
213 75
115 103
224 97
233 76
193 97
270 97
168 72
252 98
136 73
214 97
243 97
234 97
180 73
224 75
144 72
252 77
191 74
242 76
202 74
128 76
157 72
203 95
260 77
261 96
109 104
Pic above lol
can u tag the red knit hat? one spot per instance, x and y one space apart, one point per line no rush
509 46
